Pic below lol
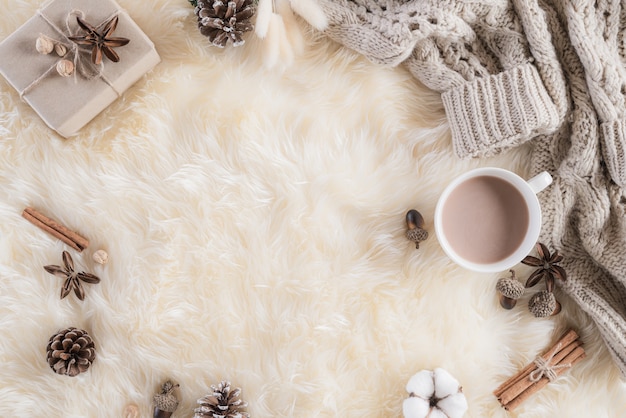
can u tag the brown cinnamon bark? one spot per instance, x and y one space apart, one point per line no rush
565 340
522 385
55 229
573 358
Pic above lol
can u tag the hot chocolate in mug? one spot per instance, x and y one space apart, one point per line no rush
489 219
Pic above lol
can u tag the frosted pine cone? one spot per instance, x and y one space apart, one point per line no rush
222 402
71 351
221 20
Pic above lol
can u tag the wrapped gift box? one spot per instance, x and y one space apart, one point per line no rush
66 104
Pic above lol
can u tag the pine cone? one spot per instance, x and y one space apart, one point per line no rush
221 20
71 351
222 403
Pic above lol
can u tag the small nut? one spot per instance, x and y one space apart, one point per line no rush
131 411
100 257
60 50
44 45
65 68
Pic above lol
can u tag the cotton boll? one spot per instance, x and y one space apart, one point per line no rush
310 11
415 407
454 406
445 384
422 384
437 413
438 392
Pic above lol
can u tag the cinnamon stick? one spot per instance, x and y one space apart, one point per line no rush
565 340
573 358
55 229
525 382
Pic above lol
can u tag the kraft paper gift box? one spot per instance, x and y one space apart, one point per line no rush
66 104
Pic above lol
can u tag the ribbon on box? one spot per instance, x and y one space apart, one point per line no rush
81 58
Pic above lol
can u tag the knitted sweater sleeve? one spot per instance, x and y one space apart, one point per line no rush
496 68
510 88
597 32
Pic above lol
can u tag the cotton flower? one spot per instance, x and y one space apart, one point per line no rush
434 394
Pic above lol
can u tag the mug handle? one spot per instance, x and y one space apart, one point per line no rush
540 181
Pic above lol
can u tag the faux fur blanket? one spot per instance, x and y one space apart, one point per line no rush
254 221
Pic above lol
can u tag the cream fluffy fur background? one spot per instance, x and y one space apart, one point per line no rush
254 222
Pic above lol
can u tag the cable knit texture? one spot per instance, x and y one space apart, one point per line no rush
550 72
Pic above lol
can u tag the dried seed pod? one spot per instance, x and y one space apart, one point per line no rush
65 68
510 289
44 45
60 49
415 225
543 304
165 403
100 257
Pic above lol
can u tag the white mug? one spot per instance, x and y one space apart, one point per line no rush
496 204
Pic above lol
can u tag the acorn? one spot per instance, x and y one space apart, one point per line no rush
510 290
544 304
165 403
415 225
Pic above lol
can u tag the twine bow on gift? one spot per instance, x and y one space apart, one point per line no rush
545 369
82 59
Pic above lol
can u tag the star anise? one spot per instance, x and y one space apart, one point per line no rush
101 42
72 278
547 267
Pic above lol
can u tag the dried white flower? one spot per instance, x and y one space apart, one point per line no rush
44 45
100 257
434 393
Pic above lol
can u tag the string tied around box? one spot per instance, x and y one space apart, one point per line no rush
80 57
